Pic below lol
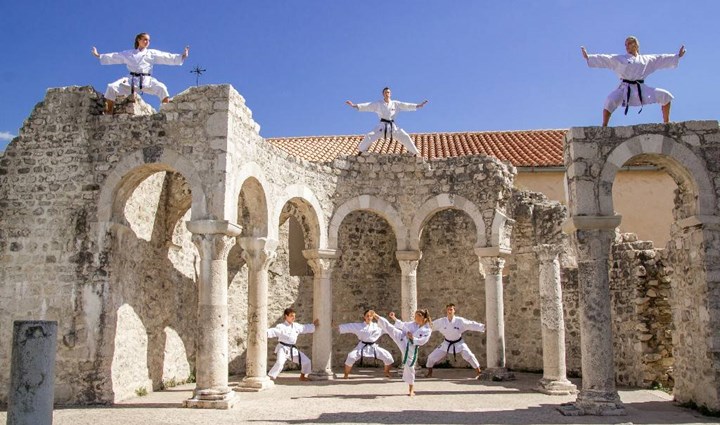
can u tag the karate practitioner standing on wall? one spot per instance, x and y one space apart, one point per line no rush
409 337
386 109
633 68
452 327
287 334
368 332
140 63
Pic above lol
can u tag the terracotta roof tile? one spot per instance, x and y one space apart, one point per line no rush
526 148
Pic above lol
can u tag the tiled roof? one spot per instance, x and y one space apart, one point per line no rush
531 148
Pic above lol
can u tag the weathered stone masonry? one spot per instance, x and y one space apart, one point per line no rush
93 235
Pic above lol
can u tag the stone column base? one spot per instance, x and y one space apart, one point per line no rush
594 403
556 387
255 384
496 374
211 399
322 376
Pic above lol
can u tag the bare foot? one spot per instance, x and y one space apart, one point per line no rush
345 376
304 378
429 373
412 393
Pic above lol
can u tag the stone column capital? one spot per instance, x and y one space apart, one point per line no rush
492 265
321 261
547 252
258 253
213 246
412 255
408 261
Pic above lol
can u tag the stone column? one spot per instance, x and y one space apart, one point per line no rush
408 284
554 380
258 253
213 239
492 267
598 396
32 373
322 262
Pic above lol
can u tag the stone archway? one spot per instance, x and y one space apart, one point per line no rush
373 204
140 204
686 150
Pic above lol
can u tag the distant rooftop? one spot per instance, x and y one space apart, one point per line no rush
527 148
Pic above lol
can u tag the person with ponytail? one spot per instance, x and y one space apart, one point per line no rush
409 337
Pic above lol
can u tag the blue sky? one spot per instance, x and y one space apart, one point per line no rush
483 65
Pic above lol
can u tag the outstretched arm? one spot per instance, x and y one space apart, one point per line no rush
681 53
186 53
350 104
584 52
420 105
95 52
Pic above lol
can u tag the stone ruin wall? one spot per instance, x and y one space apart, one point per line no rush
49 183
688 152
642 316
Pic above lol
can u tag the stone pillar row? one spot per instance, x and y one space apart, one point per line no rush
408 261
258 254
322 262
554 380
598 396
213 239
492 264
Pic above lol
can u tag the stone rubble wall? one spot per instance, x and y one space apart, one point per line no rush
642 316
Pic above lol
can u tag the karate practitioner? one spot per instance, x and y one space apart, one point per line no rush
139 63
386 109
633 68
452 327
408 336
287 333
368 332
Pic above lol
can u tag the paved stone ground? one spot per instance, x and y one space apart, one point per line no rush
451 397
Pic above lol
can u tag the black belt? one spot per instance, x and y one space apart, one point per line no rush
391 122
627 100
140 76
362 350
452 344
293 347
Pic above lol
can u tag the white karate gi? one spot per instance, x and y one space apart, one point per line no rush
387 111
366 332
139 61
287 333
408 348
452 331
633 68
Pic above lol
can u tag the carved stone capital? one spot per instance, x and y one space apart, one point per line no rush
213 246
547 253
321 261
258 253
408 261
213 238
492 265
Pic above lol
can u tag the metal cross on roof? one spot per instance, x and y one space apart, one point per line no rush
197 71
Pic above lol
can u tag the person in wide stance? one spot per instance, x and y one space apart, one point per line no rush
409 337
287 334
139 62
386 110
452 328
633 68
368 332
